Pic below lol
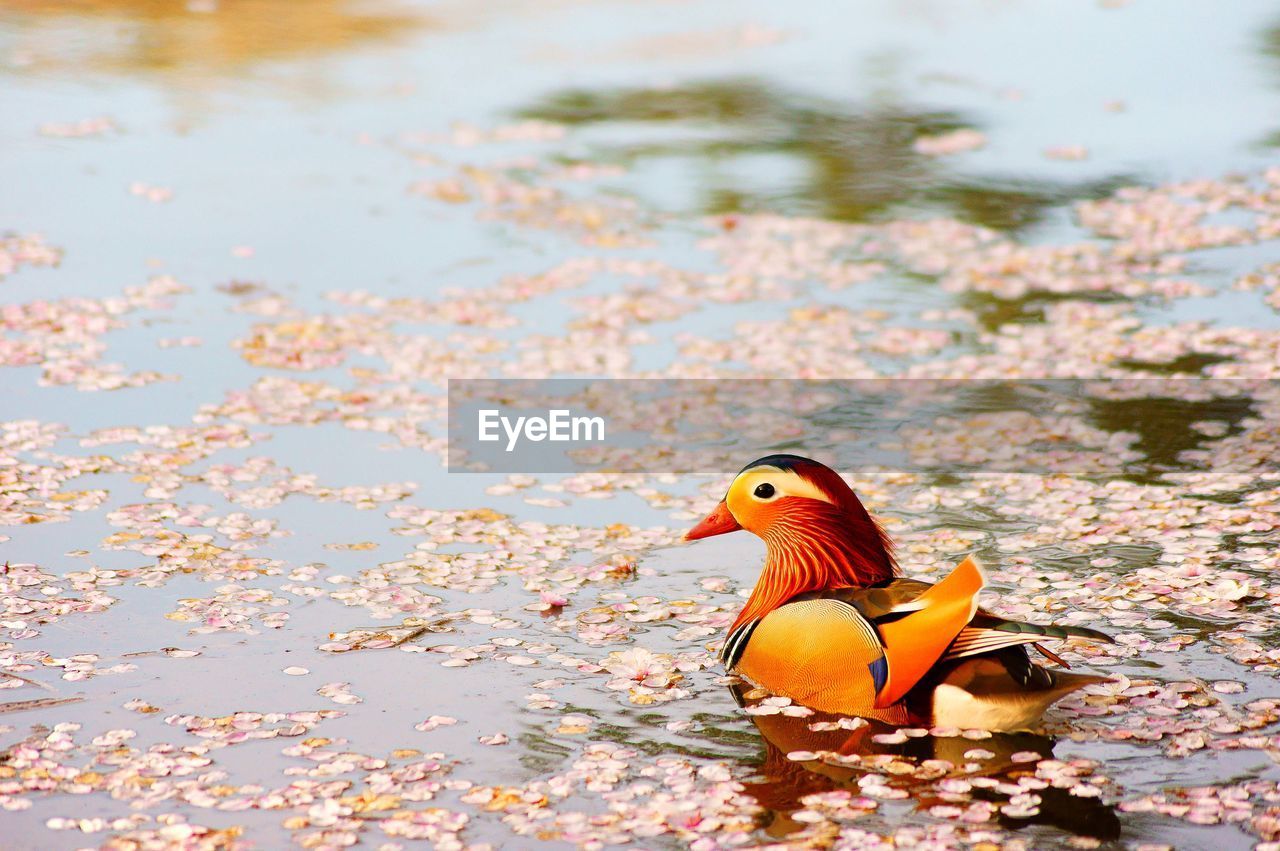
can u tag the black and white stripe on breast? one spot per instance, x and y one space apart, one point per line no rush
736 643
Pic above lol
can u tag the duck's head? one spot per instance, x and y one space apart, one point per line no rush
804 511
771 489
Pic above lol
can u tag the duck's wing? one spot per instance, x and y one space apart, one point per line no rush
916 634
988 632
921 625
913 622
984 633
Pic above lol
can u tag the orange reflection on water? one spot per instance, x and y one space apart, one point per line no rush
836 757
199 38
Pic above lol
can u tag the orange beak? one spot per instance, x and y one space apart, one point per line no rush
717 522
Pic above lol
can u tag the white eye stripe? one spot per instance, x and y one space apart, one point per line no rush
784 483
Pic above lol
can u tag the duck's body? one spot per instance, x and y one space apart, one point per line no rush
834 651
833 627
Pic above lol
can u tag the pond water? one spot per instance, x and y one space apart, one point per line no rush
246 243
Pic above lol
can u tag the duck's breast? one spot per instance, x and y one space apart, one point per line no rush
820 653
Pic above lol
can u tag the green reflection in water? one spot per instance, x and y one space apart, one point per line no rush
1270 48
857 164
1164 425
1167 439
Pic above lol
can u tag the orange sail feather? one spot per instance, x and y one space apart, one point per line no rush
915 642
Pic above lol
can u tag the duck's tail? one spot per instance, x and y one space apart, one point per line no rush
980 693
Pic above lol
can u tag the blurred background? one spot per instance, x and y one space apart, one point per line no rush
289 124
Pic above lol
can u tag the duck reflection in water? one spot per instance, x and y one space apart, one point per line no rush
812 752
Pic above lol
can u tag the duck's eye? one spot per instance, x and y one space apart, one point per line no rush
764 491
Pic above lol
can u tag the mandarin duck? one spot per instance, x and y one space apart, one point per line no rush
832 625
